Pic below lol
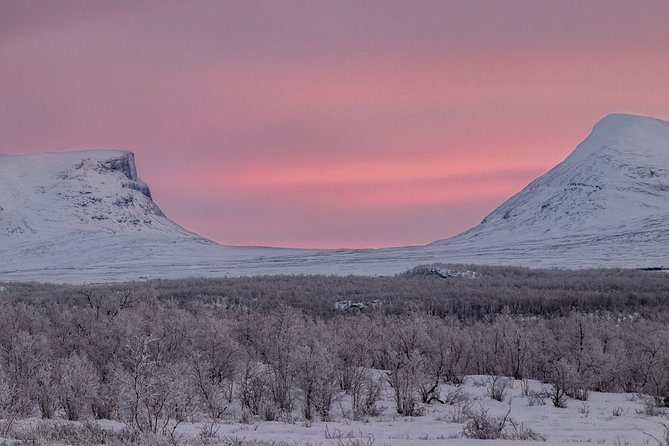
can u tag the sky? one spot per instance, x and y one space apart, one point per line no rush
328 123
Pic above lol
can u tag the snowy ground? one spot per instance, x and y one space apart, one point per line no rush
589 422
605 419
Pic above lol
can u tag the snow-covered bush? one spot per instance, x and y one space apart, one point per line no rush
157 397
455 396
497 386
315 377
365 393
483 426
404 363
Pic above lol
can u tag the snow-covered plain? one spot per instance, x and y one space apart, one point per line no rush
86 217
590 422
605 419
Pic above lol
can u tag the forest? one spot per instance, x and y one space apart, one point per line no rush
154 354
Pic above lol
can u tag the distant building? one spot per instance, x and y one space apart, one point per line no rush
348 305
450 273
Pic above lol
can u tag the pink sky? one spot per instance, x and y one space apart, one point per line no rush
328 123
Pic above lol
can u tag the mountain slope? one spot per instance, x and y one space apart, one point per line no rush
87 217
610 196
619 176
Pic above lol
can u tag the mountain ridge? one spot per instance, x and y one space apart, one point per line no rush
86 216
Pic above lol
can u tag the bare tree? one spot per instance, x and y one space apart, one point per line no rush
78 385
316 377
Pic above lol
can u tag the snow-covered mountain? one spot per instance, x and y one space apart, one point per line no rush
606 204
45 196
64 214
87 217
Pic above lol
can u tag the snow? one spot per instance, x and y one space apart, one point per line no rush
87 217
590 422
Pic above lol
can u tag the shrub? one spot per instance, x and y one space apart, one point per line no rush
365 393
455 396
496 387
482 426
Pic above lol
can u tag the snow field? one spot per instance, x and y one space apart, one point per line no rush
616 419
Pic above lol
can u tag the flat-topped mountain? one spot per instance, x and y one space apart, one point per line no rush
52 194
82 216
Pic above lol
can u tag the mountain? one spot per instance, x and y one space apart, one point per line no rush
47 195
87 217
607 204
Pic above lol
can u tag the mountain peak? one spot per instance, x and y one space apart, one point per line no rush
625 119
635 135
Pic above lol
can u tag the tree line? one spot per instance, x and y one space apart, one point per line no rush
154 354
520 291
